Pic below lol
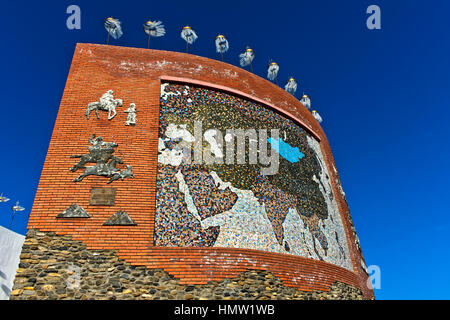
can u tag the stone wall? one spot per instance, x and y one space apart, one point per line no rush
58 267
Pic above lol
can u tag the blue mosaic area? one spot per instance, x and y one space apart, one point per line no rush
234 205
285 150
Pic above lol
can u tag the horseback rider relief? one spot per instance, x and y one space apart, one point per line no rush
105 103
101 153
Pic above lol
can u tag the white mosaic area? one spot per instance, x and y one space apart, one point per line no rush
247 226
335 224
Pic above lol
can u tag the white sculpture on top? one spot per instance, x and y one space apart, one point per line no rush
306 101
3 199
317 116
113 27
247 57
154 29
221 45
272 71
188 35
291 86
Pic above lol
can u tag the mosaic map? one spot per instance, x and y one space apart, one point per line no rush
233 204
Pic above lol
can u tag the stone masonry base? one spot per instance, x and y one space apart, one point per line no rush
57 267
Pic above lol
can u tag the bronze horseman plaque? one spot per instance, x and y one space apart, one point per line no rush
103 196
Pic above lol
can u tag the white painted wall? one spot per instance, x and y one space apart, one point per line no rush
10 248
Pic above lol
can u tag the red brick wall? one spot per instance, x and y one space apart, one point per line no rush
135 76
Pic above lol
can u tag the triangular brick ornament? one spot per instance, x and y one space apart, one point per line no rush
120 218
74 211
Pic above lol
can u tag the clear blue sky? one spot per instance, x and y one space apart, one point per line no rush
383 94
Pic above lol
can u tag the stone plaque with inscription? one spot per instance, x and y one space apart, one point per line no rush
103 196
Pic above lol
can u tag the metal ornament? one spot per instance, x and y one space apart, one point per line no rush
188 35
154 29
74 211
317 116
105 103
131 118
3 199
272 71
306 101
122 174
291 86
101 153
221 45
247 57
113 27
120 218
15 209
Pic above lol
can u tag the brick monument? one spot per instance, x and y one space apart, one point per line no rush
121 213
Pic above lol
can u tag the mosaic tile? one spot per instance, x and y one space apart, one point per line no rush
234 205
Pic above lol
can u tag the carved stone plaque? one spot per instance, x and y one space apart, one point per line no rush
103 196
